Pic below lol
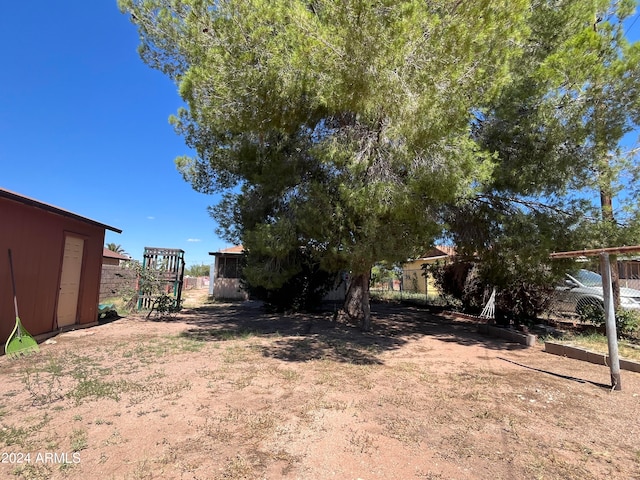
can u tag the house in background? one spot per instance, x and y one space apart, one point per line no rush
225 273
413 279
109 257
57 260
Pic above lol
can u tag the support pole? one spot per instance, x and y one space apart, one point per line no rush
610 320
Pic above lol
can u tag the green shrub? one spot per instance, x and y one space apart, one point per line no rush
302 291
627 321
520 298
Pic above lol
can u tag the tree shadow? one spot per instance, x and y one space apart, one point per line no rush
322 347
304 337
109 318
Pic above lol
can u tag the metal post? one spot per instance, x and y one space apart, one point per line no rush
144 266
610 320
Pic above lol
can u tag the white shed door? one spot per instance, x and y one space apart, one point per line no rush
70 281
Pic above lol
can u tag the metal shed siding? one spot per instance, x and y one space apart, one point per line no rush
36 238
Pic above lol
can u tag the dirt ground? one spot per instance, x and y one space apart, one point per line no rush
229 392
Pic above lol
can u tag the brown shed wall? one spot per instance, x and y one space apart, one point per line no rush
36 239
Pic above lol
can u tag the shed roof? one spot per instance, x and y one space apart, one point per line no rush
235 250
16 197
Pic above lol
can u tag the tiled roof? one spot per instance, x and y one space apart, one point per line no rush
440 251
111 254
237 249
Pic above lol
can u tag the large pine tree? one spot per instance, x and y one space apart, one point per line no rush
337 127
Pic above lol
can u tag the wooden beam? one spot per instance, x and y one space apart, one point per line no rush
597 251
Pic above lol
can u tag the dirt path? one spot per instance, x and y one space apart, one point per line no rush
228 392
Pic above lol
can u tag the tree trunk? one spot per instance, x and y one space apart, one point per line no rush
606 192
606 205
356 303
615 281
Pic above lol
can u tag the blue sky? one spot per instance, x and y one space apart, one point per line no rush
84 126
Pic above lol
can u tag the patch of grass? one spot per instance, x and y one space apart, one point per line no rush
287 374
322 403
66 467
217 429
144 391
162 346
361 442
12 435
261 424
213 375
114 439
461 446
406 367
43 381
400 399
597 342
237 468
100 421
429 475
360 375
405 430
241 423
98 388
142 470
51 445
289 460
223 335
32 471
22 436
79 440
236 354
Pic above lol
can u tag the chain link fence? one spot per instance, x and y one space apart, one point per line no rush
191 283
580 295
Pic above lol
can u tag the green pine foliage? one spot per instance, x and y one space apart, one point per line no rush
301 289
556 134
359 132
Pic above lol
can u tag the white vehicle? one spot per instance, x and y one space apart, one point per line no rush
583 290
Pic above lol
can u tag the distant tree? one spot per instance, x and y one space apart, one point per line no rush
606 95
200 270
384 274
116 248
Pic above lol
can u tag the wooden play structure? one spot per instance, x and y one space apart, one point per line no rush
168 264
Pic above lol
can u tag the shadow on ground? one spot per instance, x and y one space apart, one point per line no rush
304 337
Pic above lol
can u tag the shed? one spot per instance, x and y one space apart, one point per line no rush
226 274
57 260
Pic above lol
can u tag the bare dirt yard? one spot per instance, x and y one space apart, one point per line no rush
230 392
